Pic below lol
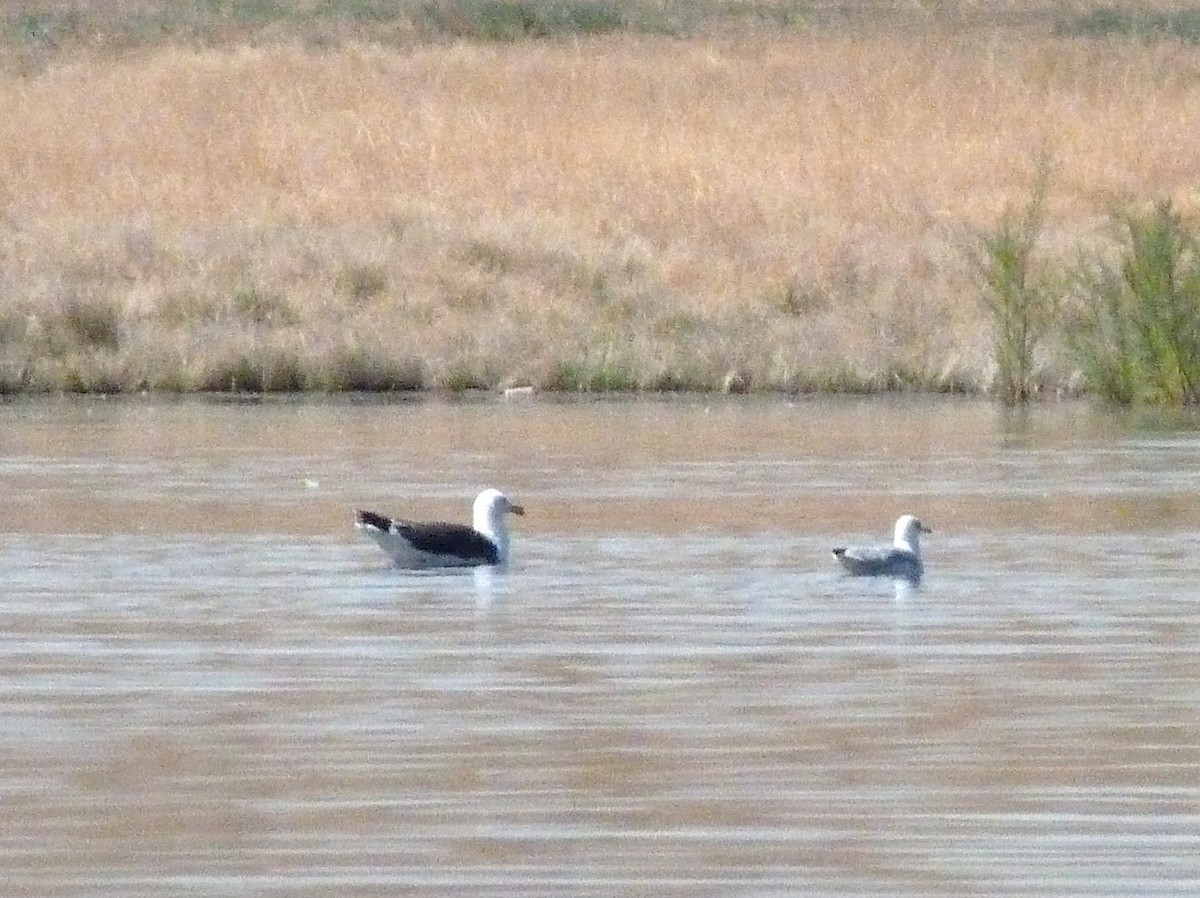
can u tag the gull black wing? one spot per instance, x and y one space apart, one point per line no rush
448 539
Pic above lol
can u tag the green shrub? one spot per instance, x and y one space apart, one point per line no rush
13 324
463 380
91 376
360 11
590 17
284 371
510 20
673 381
1137 335
80 324
1019 302
262 307
257 369
185 309
362 282
796 299
1133 22
238 374
46 27
14 378
358 369
590 376
248 12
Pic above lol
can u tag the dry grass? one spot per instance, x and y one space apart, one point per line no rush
624 211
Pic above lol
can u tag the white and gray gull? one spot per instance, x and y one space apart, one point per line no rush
902 559
437 544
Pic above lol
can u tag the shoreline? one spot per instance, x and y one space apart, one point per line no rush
528 394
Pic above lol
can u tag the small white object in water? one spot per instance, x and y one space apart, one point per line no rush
902 559
437 544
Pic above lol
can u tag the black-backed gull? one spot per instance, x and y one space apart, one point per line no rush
438 544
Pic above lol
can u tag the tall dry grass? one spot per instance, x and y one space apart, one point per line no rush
617 212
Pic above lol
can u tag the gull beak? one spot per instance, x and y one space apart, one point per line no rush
517 509
925 529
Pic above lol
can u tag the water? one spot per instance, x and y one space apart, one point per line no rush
210 685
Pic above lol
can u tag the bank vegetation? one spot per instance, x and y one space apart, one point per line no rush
593 196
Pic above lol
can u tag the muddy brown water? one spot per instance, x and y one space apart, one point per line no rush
210 685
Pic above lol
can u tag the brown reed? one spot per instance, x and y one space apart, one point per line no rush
789 209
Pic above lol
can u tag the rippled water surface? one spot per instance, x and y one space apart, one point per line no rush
211 685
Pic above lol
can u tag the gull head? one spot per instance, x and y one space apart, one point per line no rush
908 533
490 508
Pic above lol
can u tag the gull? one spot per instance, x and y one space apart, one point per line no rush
901 559
437 544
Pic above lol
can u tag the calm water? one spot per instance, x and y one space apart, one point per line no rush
210 685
